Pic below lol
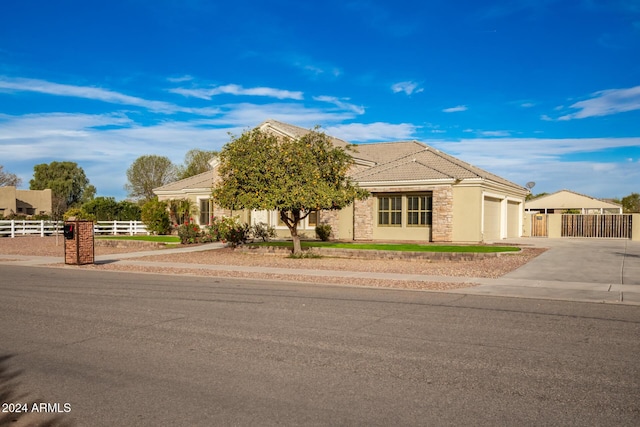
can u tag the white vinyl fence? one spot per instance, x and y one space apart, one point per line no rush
43 228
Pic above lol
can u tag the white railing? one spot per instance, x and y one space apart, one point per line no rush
43 228
120 227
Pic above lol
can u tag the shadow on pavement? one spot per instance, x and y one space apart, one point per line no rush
17 408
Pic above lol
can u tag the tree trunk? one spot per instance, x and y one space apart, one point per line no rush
292 225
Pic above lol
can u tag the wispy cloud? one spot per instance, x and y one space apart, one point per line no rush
181 79
94 93
341 103
455 109
233 89
605 103
495 133
379 131
313 68
407 87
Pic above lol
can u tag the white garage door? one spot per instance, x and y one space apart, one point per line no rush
491 219
513 219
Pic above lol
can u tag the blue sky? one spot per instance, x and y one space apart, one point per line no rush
532 90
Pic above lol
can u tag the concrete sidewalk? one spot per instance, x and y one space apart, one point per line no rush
587 270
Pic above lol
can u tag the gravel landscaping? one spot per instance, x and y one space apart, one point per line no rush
490 267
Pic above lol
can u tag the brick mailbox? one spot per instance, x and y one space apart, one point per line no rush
78 242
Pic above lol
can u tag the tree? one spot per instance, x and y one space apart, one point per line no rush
156 217
68 183
8 179
147 173
107 209
294 176
196 161
631 203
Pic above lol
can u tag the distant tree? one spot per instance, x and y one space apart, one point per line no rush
129 211
532 196
8 179
68 183
196 161
631 203
294 176
147 173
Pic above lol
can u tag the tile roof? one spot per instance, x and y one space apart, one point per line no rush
421 162
376 162
203 180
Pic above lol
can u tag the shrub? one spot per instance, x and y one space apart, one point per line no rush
79 214
156 217
190 233
323 231
263 231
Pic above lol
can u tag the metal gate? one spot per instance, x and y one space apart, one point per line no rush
602 226
539 225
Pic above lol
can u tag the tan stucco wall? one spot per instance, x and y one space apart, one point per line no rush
635 227
7 200
467 214
31 202
554 226
526 225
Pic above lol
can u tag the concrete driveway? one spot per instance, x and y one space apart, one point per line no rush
610 261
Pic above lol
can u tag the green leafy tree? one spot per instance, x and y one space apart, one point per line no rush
631 203
68 183
196 161
147 173
294 176
156 217
102 208
129 211
8 179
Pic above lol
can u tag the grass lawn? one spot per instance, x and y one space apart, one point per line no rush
160 239
405 247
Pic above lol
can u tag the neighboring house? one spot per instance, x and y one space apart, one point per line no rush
24 202
417 194
565 201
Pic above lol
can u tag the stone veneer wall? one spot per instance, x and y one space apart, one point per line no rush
363 219
330 217
442 219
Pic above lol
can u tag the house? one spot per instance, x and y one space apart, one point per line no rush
565 201
24 202
418 193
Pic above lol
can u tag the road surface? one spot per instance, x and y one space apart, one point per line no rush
103 348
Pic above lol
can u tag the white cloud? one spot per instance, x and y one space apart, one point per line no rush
407 87
495 133
606 102
233 89
455 109
94 93
184 78
340 103
379 131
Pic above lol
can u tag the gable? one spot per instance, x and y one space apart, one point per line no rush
565 199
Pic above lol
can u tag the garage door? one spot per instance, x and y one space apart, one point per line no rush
491 219
513 219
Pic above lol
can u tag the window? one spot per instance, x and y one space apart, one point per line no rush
390 210
312 219
205 211
419 209
310 222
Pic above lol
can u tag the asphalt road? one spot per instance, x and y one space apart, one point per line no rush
105 349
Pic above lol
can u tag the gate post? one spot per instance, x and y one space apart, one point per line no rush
635 227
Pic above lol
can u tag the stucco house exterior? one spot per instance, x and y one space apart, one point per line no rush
565 200
24 202
418 193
